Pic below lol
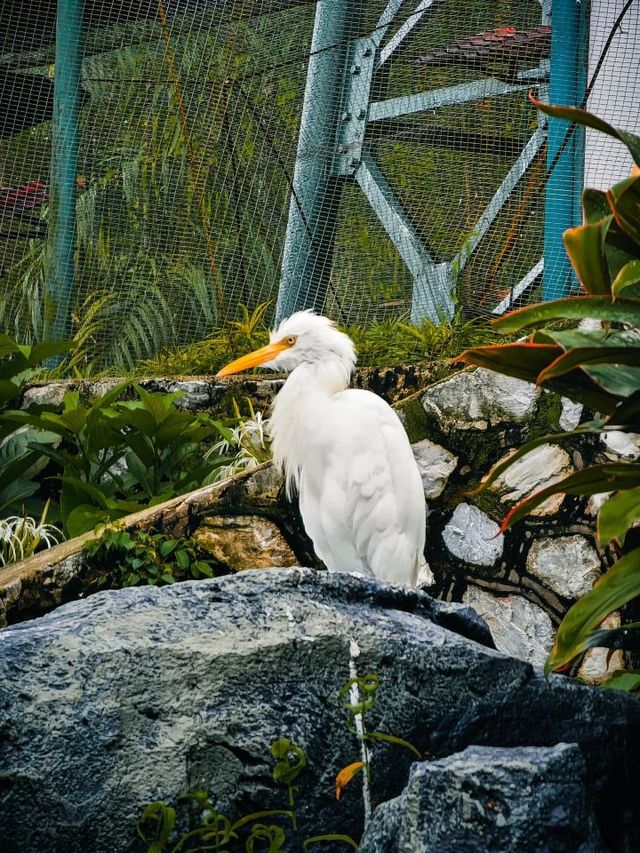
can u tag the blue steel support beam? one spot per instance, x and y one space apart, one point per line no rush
64 161
465 93
432 285
569 56
308 251
405 30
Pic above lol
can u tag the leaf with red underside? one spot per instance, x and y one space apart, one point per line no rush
590 355
590 481
527 360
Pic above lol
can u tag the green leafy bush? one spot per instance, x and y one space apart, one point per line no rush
381 344
19 461
599 368
114 457
120 558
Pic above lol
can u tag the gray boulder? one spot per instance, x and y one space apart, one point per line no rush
137 695
490 799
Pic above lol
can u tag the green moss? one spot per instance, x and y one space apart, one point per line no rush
416 422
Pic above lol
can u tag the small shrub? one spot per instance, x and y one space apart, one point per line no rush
120 558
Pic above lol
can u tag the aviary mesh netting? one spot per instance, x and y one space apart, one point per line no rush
197 173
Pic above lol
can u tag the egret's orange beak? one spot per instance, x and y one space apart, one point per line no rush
253 359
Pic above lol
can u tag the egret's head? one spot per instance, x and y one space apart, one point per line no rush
304 337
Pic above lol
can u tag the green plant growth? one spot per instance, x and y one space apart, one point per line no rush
249 440
21 536
599 368
216 832
381 344
157 824
19 461
119 558
114 457
358 698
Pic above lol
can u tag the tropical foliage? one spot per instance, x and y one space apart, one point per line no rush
389 342
114 457
120 558
599 367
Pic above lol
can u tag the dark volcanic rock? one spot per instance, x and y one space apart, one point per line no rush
490 799
140 694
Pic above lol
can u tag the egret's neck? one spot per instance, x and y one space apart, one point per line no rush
301 403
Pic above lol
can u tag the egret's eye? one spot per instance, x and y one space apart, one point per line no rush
291 340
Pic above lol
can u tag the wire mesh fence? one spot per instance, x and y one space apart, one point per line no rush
370 159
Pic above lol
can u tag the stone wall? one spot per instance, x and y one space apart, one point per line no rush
521 582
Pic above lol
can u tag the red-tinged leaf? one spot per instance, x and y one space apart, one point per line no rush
500 467
346 775
589 355
571 308
527 360
585 248
587 119
522 360
593 480
618 586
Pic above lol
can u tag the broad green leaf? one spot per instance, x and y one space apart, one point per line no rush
594 480
585 248
571 308
84 518
619 250
47 349
618 586
182 559
15 492
622 380
626 413
87 490
8 346
49 421
168 547
587 119
625 637
627 680
8 391
617 515
594 205
624 200
628 275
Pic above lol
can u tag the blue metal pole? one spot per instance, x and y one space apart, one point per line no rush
308 251
64 161
569 57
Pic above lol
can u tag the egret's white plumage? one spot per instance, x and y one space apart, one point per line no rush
345 451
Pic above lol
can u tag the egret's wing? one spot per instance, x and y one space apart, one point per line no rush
361 495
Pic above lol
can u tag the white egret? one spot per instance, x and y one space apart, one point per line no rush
345 451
